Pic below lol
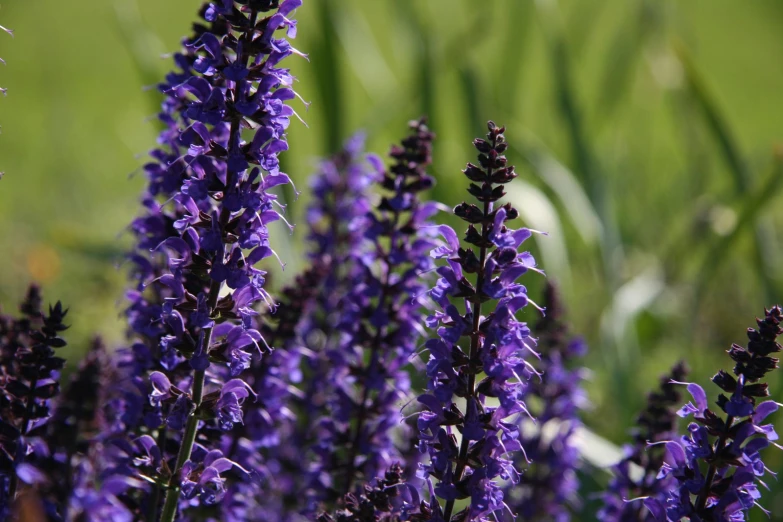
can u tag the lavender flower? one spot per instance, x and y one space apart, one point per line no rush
498 345
656 424
716 467
30 374
207 209
548 488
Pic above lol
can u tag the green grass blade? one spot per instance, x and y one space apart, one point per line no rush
752 206
716 122
622 57
325 62
470 89
363 54
561 181
143 46
514 48
585 162
723 135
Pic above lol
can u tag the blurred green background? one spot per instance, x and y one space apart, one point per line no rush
647 134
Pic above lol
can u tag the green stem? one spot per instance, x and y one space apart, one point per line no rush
186 447
172 495
152 510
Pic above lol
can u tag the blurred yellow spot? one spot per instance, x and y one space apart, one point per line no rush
723 220
43 263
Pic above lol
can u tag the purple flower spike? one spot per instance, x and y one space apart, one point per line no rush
29 374
374 503
715 469
471 448
548 486
378 287
630 494
374 282
197 291
351 325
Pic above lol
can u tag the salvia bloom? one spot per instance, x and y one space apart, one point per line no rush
361 326
293 384
274 436
548 487
63 469
204 230
378 326
455 402
28 382
717 466
656 424
374 504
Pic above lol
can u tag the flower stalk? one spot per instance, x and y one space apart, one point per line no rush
499 344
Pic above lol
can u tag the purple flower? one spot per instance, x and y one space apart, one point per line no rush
229 405
548 485
655 425
204 479
716 467
270 442
375 502
375 285
65 441
204 228
29 375
467 344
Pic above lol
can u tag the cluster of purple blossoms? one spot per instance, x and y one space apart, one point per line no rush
205 228
375 325
292 383
636 475
498 345
355 337
375 503
64 469
548 487
29 379
716 468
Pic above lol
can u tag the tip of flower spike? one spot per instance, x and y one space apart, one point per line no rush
7 30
